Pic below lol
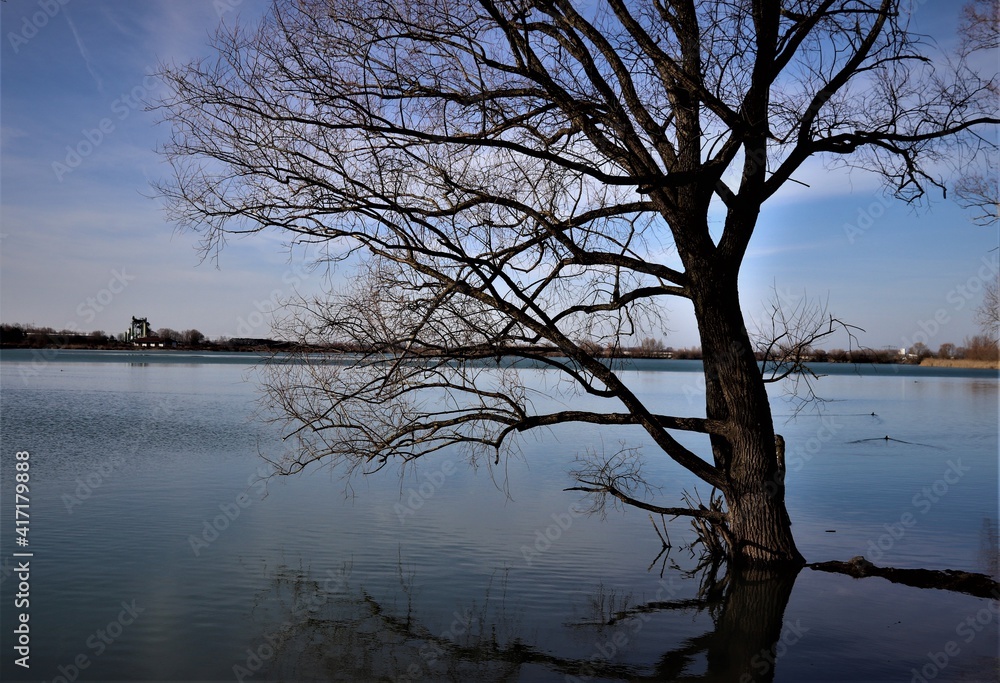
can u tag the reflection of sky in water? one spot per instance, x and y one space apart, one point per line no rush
190 449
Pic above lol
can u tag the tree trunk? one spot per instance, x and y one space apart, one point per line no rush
748 453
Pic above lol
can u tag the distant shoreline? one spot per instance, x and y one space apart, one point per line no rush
272 346
960 363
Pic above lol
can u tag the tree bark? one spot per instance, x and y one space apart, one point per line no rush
747 451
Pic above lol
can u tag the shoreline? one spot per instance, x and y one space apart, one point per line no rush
960 363
46 353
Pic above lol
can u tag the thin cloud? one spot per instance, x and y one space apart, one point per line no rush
84 53
10 133
113 20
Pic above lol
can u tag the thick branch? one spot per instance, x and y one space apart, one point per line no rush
690 424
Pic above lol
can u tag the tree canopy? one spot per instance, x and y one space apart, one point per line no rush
517 177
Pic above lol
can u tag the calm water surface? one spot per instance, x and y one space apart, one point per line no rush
160 554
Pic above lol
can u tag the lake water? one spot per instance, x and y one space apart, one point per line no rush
158 554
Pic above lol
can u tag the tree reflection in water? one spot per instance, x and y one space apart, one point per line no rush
314 633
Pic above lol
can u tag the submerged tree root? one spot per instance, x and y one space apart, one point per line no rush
971 583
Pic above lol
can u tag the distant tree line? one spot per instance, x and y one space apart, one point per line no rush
17 335
29 336
187 337
977 347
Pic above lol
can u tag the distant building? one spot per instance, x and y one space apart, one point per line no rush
138 330
153 342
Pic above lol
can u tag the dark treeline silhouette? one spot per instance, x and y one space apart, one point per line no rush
18 335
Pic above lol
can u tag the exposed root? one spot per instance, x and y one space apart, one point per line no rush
971 583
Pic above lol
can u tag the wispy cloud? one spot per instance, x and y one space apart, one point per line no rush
9 133
84 53
110 17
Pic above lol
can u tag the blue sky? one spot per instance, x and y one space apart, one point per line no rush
84 246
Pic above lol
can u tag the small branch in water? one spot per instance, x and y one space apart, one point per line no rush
971 583
889 438
664 541
665 554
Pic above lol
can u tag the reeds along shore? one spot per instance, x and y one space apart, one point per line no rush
960 363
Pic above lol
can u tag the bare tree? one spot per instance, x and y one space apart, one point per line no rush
980 347
784 341
980 27
192 337
523 177
168 334
977 188
979 191
651 345
988 317
988 313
